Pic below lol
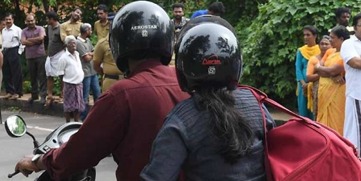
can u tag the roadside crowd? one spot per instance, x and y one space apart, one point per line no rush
328 75
78 81
78 77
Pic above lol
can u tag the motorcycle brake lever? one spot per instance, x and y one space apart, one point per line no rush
13 174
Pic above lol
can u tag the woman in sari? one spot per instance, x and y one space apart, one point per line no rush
331 90
304 53
313 77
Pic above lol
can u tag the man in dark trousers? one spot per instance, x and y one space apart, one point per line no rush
33 39
13 77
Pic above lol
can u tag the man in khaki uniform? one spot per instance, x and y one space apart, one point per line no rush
72 26
104 64
101 27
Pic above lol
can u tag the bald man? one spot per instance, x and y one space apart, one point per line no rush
33 38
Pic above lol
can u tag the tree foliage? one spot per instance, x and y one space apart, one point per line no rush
271 41
234 8
270 31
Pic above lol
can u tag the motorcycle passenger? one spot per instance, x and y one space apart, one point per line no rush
217 134
125 120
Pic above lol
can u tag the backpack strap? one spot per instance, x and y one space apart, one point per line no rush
263 98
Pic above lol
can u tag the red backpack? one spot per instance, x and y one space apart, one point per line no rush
302 149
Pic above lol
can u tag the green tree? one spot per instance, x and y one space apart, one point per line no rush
240 13
272 39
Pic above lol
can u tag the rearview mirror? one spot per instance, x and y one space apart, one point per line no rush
15 126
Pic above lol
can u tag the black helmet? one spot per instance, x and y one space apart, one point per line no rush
141 28
208 55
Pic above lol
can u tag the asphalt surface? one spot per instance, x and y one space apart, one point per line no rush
13 149
41 121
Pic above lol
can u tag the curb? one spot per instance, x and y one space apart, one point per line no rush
56 109
22 104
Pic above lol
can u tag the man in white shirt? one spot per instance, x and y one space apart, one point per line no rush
13 78
70 63
351 54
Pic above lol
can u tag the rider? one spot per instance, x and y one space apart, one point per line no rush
218 133
125 120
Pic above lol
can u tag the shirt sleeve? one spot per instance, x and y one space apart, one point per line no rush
62 32
98 54
348 51
81 49
42 31
199 13
22 36
299 75
20 32
61 63
1 59
100 134
96 29
91 45
168 152
2 39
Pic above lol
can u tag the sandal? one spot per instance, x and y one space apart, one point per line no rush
49 101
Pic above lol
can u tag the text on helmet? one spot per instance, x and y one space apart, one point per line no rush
144 27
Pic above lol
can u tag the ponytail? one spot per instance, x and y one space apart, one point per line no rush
234 134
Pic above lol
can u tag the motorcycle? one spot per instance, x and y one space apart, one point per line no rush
15 126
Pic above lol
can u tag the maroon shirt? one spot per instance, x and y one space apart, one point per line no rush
37 50
124 121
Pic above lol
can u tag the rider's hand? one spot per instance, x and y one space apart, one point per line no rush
26 166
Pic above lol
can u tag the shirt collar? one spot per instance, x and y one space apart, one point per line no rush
77 22
56 26
82 40
106 23
147 64
354 38
28 29
182 21
11 27
68 53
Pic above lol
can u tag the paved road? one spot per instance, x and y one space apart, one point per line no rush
12 149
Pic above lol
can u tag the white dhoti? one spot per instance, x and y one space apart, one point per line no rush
51 65
352 129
